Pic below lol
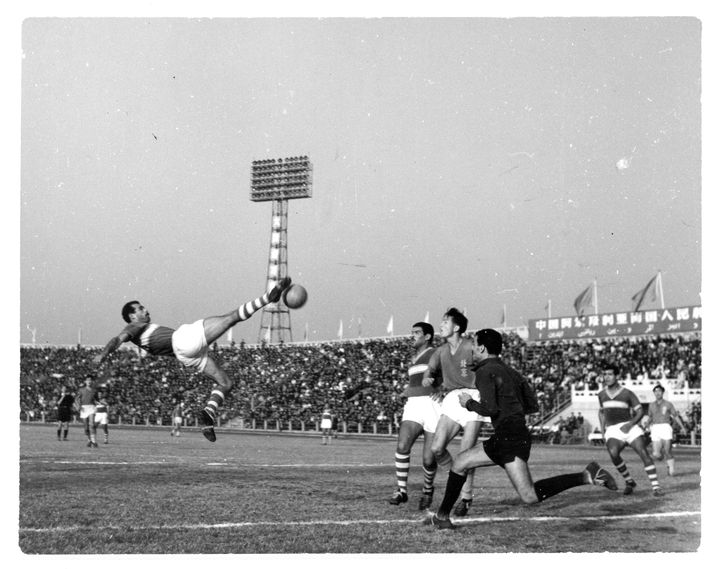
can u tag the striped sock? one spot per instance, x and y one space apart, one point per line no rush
652 475
429 480
217 398
624 472
250 308
402 468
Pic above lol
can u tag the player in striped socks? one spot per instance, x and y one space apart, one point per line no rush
190 344
420 416
620 414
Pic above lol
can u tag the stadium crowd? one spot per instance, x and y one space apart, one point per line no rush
361 381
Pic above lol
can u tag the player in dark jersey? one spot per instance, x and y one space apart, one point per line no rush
65 405
420 416
506 397
190 344
620 414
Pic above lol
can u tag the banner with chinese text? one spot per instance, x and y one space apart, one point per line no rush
658 321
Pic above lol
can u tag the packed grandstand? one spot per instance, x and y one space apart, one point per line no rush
286 386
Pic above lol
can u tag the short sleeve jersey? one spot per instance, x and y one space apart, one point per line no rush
456 368
417 368
661 412
618 408
102 406
86 395
157 340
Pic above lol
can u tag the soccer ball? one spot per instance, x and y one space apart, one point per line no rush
295 296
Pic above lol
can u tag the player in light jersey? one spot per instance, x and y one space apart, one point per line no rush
101 415
451 363
86 399
420 416
326 426
620 412
661 414
190 344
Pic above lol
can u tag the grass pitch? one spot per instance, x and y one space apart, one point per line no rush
149 493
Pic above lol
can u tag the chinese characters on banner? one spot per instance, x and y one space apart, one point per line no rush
658 321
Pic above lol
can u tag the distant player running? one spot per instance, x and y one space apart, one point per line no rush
190 344
420 417
326 421
620 412
506 397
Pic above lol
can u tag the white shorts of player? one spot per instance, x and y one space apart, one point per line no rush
177 421
86 411
661 432
452 408
423 410
190 345
614 432
326 424
101 418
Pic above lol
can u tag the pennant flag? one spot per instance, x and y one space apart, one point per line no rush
583 300
340 331
503 317
548 308
307 331
648 292
427 317
390 326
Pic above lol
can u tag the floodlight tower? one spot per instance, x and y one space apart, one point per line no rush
279 180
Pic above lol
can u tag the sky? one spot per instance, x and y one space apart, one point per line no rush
486 163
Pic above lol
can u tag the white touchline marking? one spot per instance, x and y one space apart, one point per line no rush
466 521
174 463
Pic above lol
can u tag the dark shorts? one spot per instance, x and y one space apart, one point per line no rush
502 449
64 415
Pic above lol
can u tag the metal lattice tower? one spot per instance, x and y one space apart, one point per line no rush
279 180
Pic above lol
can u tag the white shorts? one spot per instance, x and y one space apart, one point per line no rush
86 411
614 432
190 345
101 418
423 410
326 424
661 432
177 421
452 408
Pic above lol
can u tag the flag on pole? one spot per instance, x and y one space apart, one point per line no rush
390 326
229 335
307 331
427 317
583 300
648 292
359 327
340 331
503 317
548 308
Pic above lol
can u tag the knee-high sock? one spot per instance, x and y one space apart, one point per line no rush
217 398
455 483
402 468
550 486
251 307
